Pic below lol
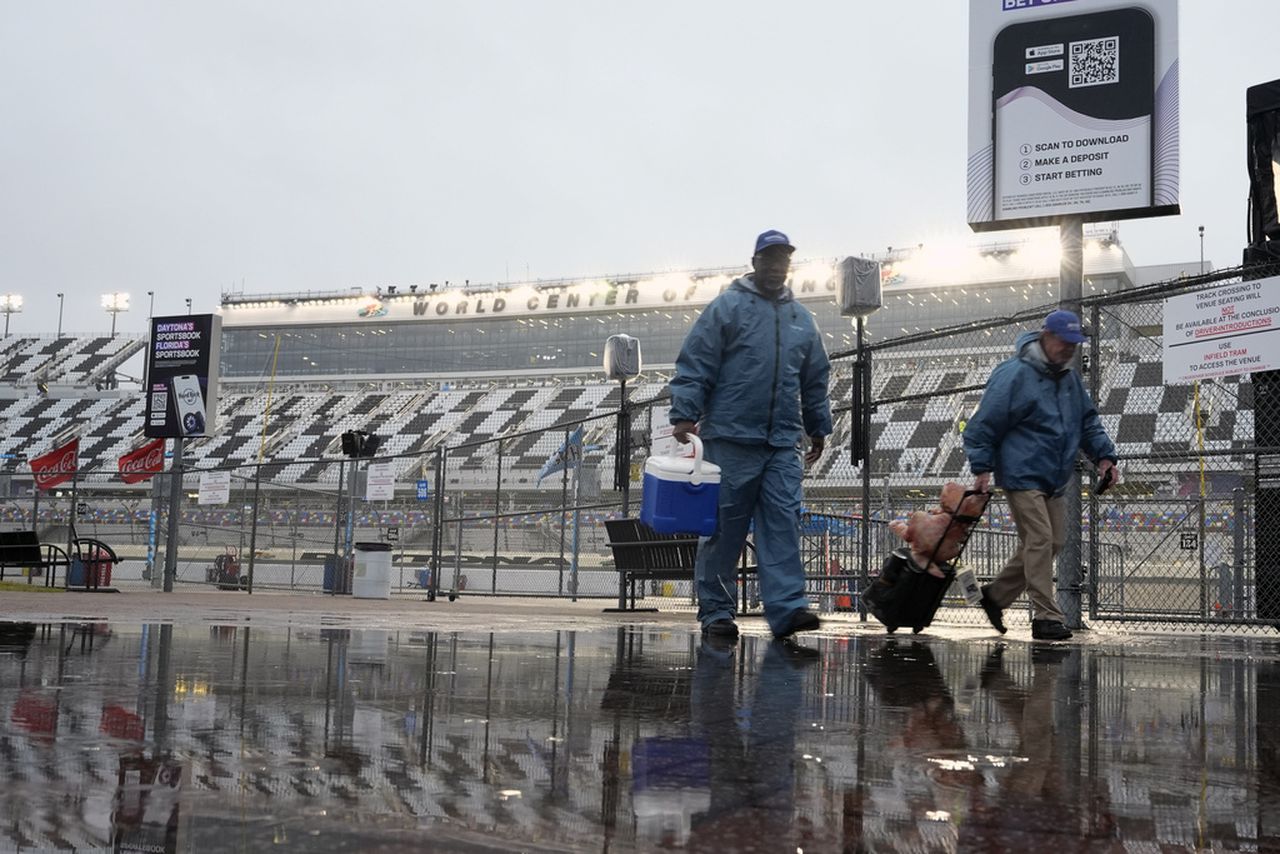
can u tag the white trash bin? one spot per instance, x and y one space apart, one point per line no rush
373 571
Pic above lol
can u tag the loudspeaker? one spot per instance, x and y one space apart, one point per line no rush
859 280
621 357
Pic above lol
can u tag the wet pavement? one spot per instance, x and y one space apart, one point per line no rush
203 737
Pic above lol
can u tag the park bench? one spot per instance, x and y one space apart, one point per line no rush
23 549
642 554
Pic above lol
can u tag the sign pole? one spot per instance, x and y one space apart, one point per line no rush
175 507
1070 561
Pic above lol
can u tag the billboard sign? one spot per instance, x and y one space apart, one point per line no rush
182 376
1073 111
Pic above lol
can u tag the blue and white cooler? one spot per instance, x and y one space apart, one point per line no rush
681 495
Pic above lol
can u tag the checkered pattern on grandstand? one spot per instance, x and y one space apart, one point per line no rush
72 361
915 437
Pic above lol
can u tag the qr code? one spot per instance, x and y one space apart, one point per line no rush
159 405
1094 62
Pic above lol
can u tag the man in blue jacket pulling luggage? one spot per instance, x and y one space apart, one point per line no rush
751 381
1034 419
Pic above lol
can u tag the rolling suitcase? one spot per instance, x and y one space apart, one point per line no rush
905 593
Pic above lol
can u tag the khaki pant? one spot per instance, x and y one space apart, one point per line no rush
1040 520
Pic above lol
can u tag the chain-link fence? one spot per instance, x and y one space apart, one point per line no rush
1192 534
1182 539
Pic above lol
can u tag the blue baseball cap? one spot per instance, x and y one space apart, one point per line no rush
1066 325
772 238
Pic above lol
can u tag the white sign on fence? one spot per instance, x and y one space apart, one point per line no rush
380 482
662 441
215 487
1222 332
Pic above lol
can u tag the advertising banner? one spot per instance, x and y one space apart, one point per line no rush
141 464
56 466
1223 332
182 376
1073 111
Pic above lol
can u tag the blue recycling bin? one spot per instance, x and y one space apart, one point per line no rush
331 564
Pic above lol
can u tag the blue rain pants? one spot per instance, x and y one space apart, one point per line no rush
760 483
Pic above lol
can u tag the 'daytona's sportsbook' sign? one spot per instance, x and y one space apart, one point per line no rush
182 376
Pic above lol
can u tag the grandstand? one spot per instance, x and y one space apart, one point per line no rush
488 378
425 366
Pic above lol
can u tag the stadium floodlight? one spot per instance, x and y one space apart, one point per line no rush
10 304
113 304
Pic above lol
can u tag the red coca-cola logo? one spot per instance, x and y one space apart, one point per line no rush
152 461
65 464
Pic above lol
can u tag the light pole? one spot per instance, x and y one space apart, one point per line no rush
115 303
61 298
10 304
151 306
188 305
1202 250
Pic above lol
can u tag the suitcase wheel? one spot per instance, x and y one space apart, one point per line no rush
915 630
890 629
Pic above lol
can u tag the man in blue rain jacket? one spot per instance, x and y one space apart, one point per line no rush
1034 419
751 381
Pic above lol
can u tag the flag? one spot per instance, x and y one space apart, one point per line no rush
139 465
570 450
56 466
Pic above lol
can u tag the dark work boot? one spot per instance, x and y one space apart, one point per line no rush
994 612
1050 630
798 620
725 630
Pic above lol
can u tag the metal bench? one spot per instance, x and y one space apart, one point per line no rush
642 554
23 549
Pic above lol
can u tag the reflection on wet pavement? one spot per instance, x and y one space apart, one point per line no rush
172 738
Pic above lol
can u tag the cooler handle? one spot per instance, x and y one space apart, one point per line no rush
696 477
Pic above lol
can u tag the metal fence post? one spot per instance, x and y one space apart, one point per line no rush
337 529
1070 563
1238 523
253 527
864 418
1095 384
175 507
437 528
497 509
564 505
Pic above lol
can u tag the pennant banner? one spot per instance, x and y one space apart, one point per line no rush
141 464
569 454
57 466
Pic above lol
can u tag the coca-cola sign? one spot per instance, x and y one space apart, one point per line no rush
139 465
56 466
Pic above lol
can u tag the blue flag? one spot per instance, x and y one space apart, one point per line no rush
570 452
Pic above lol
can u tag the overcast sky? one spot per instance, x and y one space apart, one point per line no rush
187 148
